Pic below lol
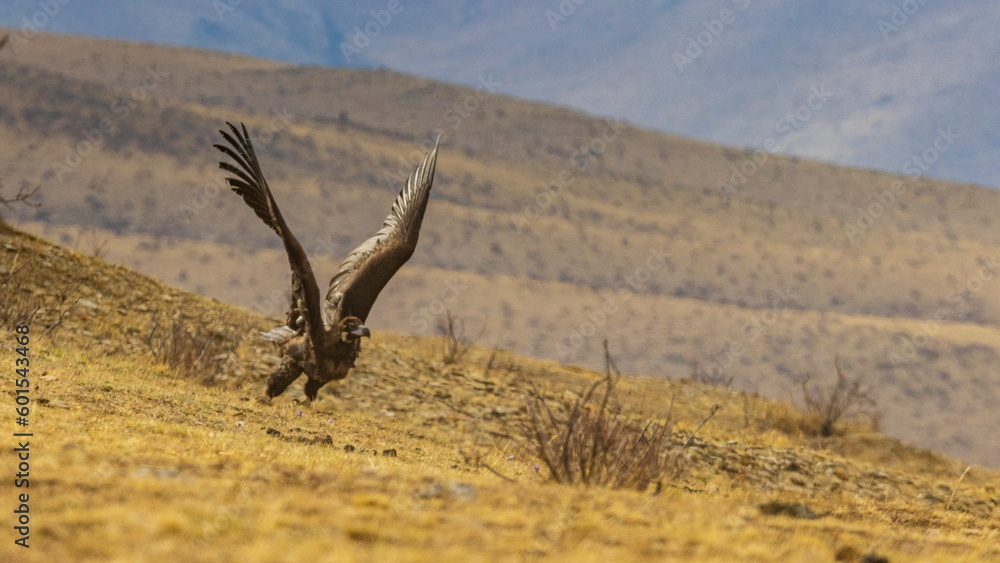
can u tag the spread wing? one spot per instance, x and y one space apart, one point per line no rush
366 270
305 313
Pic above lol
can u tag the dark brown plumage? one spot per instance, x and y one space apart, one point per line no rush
323 340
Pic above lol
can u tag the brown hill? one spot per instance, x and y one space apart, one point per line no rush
148 444
549 227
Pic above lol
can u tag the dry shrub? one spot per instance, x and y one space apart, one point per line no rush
98 247
596 442
456 342
708 376
18 305
784 418
499 362
194 350
846 397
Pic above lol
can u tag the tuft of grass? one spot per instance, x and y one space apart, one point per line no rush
194 351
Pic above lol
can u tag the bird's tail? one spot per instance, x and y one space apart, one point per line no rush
279 334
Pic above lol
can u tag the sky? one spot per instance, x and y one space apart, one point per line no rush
906 86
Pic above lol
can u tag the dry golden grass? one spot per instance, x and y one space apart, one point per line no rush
132 461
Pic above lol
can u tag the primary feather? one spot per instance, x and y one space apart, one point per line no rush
370 266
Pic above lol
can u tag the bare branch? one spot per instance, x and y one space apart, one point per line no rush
843 398
23 196
457 343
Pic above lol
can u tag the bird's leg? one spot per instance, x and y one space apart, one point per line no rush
287 371
312 388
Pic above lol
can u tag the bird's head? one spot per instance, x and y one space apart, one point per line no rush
351 329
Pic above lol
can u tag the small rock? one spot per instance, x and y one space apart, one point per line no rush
87 303
847 553
463 491
159 472
435 490
455 490
795 510
931 498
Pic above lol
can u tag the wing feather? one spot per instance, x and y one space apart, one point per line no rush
305 313
370 266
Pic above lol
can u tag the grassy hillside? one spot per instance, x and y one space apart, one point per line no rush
138 455
760 286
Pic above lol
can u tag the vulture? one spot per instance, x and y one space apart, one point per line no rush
323 339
